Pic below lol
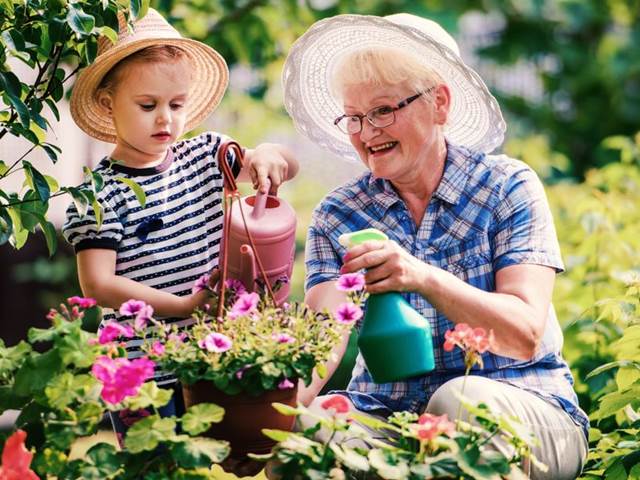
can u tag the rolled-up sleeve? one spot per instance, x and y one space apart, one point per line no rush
524 230
322 260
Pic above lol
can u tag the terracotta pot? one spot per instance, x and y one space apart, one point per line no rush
245 416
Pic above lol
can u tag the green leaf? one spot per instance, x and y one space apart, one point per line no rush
613 402
79 200
58 390
50 236
350 458
137 190
286 409
3 168
199 452
145 434
36 372
21 108
627 376
277 435
150 395
50 151
19 234
97 210
37 181
6 226
54 186
80 22
199 417
139 8
10 83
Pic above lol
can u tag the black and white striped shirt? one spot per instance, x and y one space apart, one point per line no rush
175 238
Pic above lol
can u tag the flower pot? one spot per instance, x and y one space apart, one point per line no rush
244 416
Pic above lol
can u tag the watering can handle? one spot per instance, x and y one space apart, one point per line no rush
261 202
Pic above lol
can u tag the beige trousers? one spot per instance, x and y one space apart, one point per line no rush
562 445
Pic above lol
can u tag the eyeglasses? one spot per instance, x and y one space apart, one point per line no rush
379 117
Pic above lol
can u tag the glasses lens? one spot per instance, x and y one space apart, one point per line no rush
381 116
349 125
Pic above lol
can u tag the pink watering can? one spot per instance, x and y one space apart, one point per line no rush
259 239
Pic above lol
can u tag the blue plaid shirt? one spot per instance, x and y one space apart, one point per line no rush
488 212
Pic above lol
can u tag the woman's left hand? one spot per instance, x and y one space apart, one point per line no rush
388 267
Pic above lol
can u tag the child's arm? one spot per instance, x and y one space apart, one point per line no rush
96 271
268 160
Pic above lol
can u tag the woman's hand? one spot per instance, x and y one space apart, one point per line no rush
389 267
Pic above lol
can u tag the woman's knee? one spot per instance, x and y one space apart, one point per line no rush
446 399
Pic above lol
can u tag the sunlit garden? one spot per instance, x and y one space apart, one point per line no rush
566 74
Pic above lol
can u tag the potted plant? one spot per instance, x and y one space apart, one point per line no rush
252 355
63 392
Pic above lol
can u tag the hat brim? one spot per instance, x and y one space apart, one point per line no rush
210 78
475 120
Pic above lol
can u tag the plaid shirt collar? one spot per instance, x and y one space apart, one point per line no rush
452 184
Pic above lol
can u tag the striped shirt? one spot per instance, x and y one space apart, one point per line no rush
488 212
175 238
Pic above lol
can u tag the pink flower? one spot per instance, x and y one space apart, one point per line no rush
468 339
114 330
142 317
121 377
236 285
215 342
351 282
337 403
201 284
240 373
286 384
177 337
82 302
16 459
131 308
157 349
431 426
245 304
348 313
283 338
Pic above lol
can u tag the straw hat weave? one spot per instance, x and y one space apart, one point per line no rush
474 120
209 71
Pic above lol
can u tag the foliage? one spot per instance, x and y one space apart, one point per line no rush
254 347
404 446
45 36
62 396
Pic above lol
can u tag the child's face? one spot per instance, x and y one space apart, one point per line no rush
149 108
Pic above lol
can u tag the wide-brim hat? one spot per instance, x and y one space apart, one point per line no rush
208 71
475 120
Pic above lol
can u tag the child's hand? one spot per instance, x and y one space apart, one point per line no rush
267 162
203 297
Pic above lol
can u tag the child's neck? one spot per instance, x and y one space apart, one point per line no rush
134 158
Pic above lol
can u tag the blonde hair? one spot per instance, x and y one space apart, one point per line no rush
382 66
151 55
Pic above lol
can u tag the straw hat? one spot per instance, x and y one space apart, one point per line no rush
474 121
209 69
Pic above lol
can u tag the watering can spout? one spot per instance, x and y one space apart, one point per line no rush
247 267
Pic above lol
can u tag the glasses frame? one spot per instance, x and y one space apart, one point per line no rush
398 106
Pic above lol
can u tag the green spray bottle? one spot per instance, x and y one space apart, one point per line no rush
395 340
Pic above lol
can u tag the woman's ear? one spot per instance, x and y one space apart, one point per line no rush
441 103
105 101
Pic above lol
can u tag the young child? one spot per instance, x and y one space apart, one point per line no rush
141 94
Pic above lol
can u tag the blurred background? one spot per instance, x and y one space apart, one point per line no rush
566 73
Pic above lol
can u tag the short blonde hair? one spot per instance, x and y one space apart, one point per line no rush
382 66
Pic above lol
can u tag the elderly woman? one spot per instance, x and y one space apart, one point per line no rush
471 237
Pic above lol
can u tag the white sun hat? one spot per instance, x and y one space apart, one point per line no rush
475 120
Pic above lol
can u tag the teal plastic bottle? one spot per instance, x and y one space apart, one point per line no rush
395 340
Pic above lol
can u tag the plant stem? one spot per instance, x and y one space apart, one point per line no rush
17 161
464 383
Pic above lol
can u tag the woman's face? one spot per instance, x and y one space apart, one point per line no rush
397 152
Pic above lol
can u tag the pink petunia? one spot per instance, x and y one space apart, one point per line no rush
337 403
82 302
240 373
201 284
142 317
351 282
244 305
283 338
286 384
215 342
236 285
157 348
121 377
177 337
113 330
348 313
132 307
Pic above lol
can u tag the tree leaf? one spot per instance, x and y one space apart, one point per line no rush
6 225
137 190
50 236
139 8
37 182
80 22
